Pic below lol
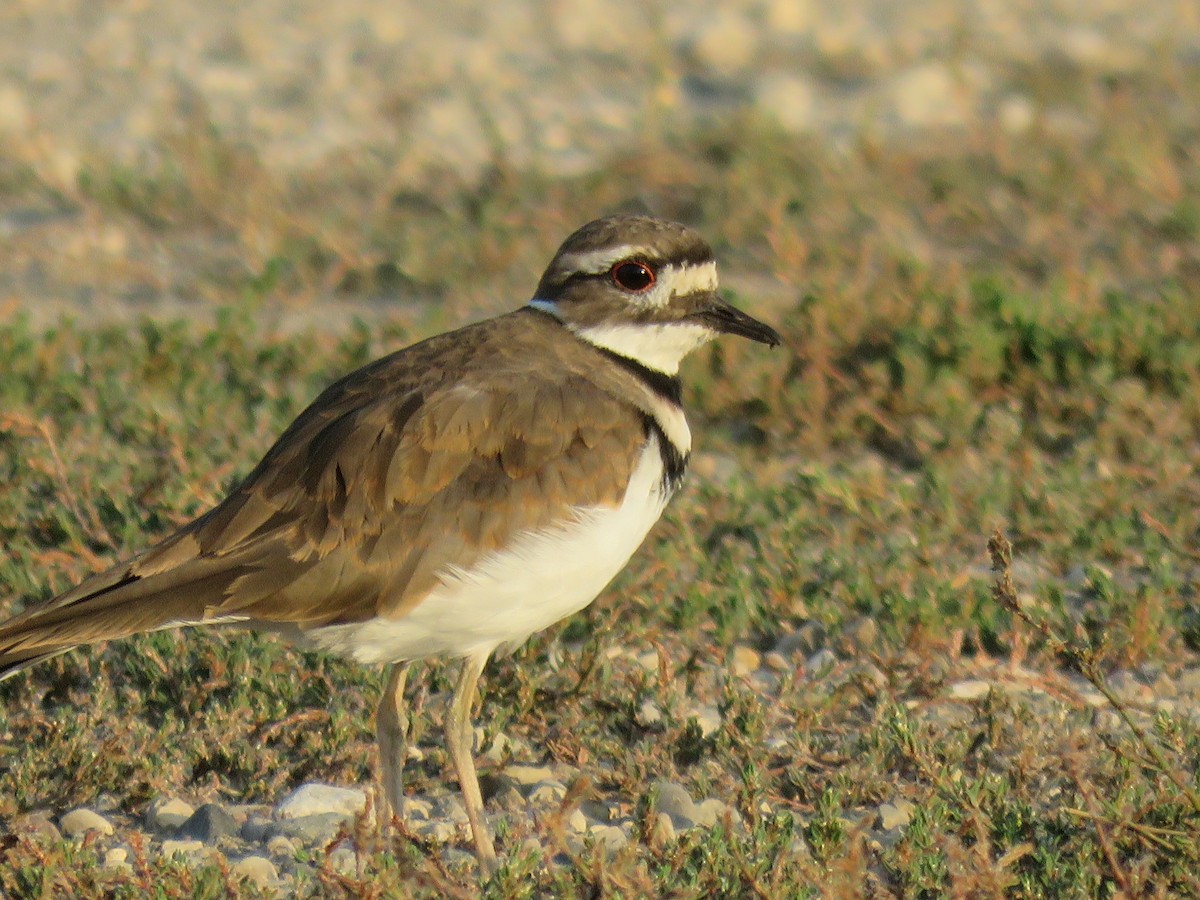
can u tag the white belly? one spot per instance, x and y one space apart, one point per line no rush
541 578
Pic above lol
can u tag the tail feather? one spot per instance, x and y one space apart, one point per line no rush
12 664
112 605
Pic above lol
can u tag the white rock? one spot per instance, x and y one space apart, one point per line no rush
1085 46
547 793
895 814
257 869
14 111
116 857
314 799
971 689
577 821
664 828
281 845
777 662
926 96
711 811
789 98
723 40
649 714
790 17
417 809
526 775
744 660
708 718
820 663
609 837
1016 113
675 801
181 848
437 830
79 822
344 861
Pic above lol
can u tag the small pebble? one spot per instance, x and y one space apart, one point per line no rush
79 822
745 660
281 845
820 663
708 718
675 801
895 814
311 830
168 813
710 812
609 837
526 775
663 830
649 714
777 662
861 635
547 793
577 821
116 857
209 823
314 798
417 809
451 809
344 861
972 689
508 797
257 828
258 870
803 642
596 810
648 660
437 830
182 848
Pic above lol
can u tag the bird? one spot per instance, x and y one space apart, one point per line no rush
447 500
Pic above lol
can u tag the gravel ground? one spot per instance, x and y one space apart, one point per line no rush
314 825
553 83
558 86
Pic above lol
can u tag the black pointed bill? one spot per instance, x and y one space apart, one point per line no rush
719 315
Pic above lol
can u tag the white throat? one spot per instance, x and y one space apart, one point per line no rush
660 347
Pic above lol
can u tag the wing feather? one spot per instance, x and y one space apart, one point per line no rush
396 474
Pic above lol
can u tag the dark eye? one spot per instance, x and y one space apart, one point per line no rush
633 276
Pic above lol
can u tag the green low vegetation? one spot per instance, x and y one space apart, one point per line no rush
997 331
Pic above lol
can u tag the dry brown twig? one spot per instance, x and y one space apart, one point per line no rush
1085 659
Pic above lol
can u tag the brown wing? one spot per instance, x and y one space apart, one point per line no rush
393 473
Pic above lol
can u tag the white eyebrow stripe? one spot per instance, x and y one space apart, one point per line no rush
593 262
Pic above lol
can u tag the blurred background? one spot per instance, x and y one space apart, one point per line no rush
977 225
169 153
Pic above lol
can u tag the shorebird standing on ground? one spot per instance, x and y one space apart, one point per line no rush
450 499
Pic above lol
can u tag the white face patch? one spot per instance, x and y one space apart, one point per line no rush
658 347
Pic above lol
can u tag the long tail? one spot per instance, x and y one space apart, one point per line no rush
129 598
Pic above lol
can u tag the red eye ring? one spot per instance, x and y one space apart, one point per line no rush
633 276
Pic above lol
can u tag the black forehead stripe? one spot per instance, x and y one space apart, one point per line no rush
695 256
669 387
